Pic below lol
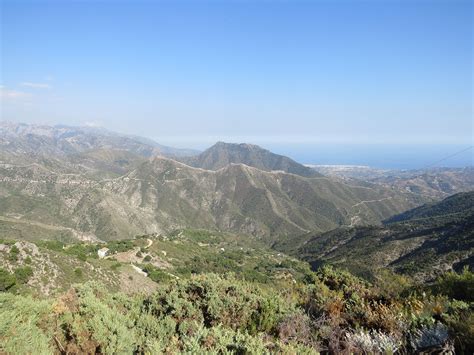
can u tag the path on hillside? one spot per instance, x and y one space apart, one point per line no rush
77 234
369 201
355 217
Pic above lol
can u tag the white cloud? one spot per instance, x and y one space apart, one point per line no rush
12 94
36 85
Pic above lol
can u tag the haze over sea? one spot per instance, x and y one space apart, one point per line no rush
398 156
385 156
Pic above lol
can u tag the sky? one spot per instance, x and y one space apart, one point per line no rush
188 73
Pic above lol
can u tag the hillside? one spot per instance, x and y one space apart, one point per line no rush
134 265
434 183
161 195
459 204
328 311
423 242
223 154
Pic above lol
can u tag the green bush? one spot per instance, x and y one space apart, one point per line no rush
25 325
457 286
78 273
210 313
120 246
23 274
7 280
212 300
14 251
156 274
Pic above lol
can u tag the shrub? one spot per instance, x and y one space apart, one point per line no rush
458 286
373 342
426 338
211 300
23 274
25 325
14 251
115 265
7 280
156 274
78 273
120 246
390 284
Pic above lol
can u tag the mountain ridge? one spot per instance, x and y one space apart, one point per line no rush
222 154
163 194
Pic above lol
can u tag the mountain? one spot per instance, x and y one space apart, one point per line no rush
72 183
423 242
59 141
161 194
222 154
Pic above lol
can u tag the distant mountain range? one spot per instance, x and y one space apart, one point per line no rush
422 242
81 183
19 138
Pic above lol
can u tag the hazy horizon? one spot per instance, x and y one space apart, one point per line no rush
381 155
310 72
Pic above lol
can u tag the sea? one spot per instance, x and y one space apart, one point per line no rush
383 156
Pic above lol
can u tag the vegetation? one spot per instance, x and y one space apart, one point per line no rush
421 242
331 311
72 188
10 281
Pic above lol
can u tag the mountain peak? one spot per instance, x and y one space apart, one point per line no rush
223 154
228 145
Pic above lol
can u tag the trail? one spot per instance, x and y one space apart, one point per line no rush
355 217
34 223
77 234
370 201
140 271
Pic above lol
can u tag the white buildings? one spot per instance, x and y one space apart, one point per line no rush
102 252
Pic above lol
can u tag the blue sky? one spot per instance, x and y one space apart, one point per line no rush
191 72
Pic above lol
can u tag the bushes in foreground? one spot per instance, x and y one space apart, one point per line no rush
334 312
207 313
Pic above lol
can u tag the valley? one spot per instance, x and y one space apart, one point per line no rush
115 194
230 246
